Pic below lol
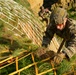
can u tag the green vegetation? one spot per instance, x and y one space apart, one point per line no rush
19 44
45 66
67 66
72 13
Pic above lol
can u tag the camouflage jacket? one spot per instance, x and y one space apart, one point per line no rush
68 33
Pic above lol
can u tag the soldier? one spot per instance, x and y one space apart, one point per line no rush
63 27
44 14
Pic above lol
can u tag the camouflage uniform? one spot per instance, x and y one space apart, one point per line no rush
68 33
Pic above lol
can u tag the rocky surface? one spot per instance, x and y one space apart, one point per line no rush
51 4
35 5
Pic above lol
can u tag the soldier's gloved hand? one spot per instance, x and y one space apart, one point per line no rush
44 45
40 51
59 58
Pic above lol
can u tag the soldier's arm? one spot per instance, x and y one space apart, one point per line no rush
70 49
48 36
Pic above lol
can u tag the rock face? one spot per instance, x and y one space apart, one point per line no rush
68 4
35 5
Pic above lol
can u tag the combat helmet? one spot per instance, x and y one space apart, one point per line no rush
58 15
